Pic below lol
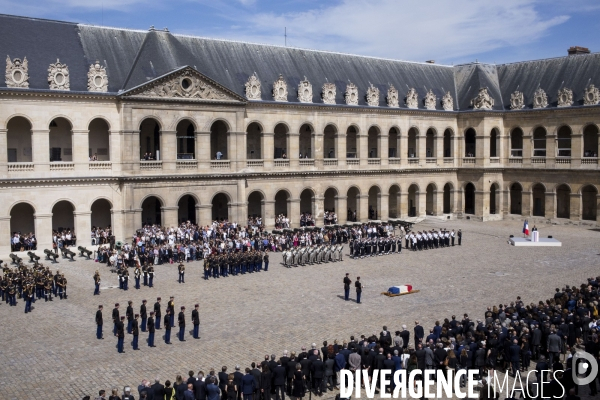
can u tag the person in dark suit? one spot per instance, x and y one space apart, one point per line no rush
247 385
317 370
359 287
158 390
405 335
99 323
121 334
347 283
419 333
265 383
116 318
421 355
237 381
189 393
515 353
290 367
212 390
554 345
223 378
143 316
167 323
157 312
135 331
279 375
199 389
129 314
196 321
151 329
255 372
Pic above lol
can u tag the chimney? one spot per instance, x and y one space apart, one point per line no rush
430 61
578 50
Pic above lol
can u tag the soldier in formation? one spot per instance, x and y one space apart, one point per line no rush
31 284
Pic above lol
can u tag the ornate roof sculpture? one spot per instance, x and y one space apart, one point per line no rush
447 102
430 100
280 91
517 100
372 96
565 97
392 97
483 101
17 75
58 76
305 94
591 96
351 94
540 99
412 98
253 88
328 93
97 78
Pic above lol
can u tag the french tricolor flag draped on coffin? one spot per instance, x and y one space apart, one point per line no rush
526 228
400 289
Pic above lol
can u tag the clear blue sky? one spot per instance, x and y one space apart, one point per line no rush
448 31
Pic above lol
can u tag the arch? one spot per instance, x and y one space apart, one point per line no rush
494 142
101 216
353 203
219 140
494 198
280 140
352 142
469 198
221 202
431 143
394 201
413 143
99 140
155 118
217 120
373 142
309 124
539 142
192 195
307 202
330 141
150 138
374 202
448 135
516 198
589 203
61 116
448 198
254 141
590 141
19 140
430 199
19 115
307 145
256 205
413 200
538 198
185 134
282 203
61 140
516 142
470 143
260 125
394 142
330 205
63 217
22 223
152 210
186 208
563 141
563 201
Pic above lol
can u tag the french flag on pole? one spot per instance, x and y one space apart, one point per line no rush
526 228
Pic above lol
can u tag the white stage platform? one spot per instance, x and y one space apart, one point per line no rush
519 241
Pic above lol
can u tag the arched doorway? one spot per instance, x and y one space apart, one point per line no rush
516 198
99 138
151 211
352 142
470 143
494 199
448 198
282 204
330 206
186 140
306 141
470 198
61 140
18 138
63 217
393 144
590 141
220 207
413 200
256 205
22 220
516 143
373 142
430 148
413 143
430 200
280 141
394 201
353 203
330 142
539 142
253 142
186 209
538 193
448 143
589 203
101 214
563 201
307 202
219 139
374 202
150 140
563 142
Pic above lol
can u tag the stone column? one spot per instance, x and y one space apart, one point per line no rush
504 195
236 150
6 235
454 194
363 148
575 206
384 206
318 209
550 150
576 150
203 150
205 214
294 151
438 196
294 207
550 205
342 209
384 146
340 150
422 148
40 143
403 205
4 156
168 150
421 201
119 228
526 204
363 206
318 149
459 197
83 227
403 150
598 203
527 149
80 150
268 149
479 203
169 216
43 230
268 218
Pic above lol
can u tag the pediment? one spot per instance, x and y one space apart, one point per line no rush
184 84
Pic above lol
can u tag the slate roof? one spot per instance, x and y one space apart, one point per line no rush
133 57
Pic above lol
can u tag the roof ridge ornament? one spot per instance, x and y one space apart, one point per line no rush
517 100
305 93
412 98
448 102
591 96
351 94
372 96
97 78
565 97
280 92
392 97
430 100
328 93
17 75
253 88
483 100
58 76
540 98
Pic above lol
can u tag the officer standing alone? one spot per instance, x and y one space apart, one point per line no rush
347 283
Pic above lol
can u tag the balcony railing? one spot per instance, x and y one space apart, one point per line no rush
220 164
282 163
585 160
431 160
255 163
469 160
307 162
515 160
61 166
149 165
448 160
538 160
494 160
330 162
353 161
187 164
563 160
413 161
374 161
394 161
96 165
20 166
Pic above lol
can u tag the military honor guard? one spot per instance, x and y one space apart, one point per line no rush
99 322
120 334
347 283
151 329
171 309
129 314
181 323
116 318
196 321
135 331
167 323
157 313
143 315
359 287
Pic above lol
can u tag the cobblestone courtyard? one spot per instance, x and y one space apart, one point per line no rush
53 353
